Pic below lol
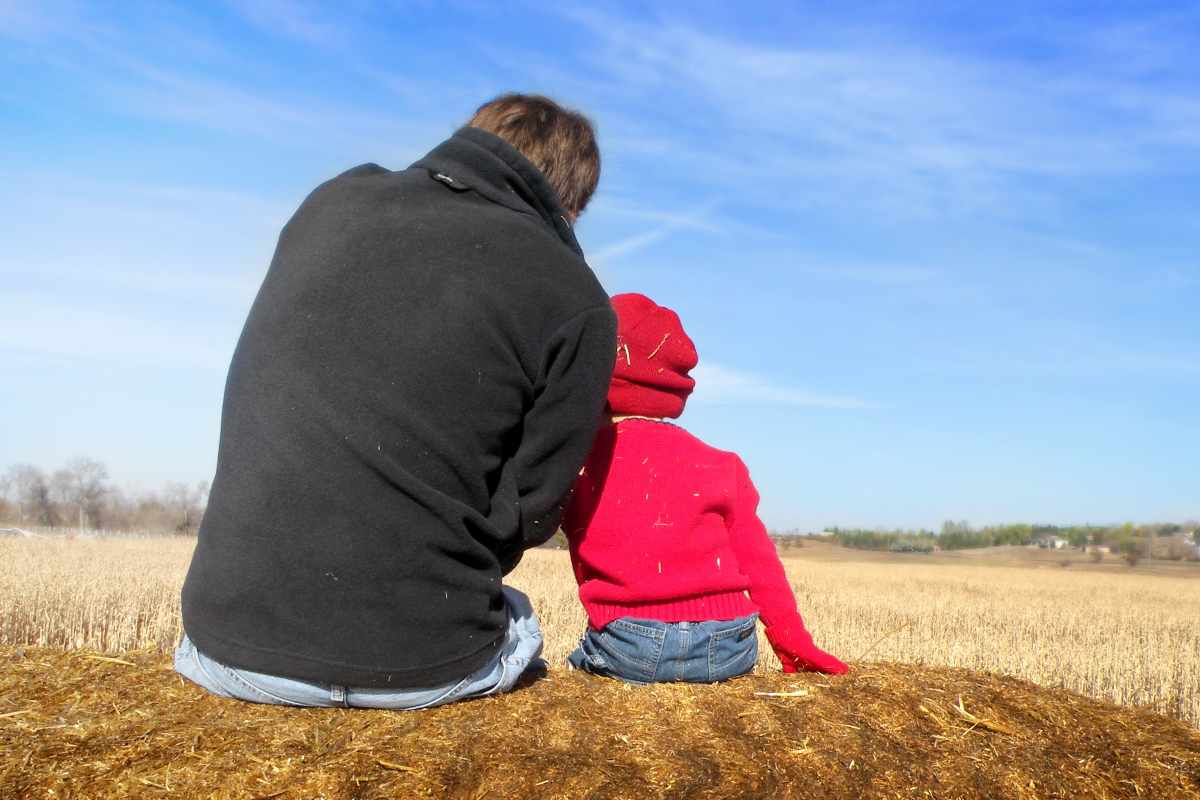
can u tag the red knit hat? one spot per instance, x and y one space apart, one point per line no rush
654 356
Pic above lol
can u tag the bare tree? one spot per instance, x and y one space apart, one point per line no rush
84 481
6 484
62 487
186 503
32 493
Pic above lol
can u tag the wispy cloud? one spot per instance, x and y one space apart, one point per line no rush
919 129
873 274
170 70
613 251
21 20
296 20
1067 354
721 385
40 324
701 220
170 282
142 242
163 93
1177 278
665 224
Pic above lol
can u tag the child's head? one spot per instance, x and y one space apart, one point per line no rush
654 356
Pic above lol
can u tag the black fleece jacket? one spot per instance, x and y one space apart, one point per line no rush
415 388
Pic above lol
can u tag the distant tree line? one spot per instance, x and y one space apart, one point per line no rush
1128 539
80 495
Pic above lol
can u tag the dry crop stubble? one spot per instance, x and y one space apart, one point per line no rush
1130 638
110 594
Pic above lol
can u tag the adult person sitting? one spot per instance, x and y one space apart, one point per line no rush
414 391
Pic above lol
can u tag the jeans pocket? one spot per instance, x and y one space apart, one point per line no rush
733 650
632 651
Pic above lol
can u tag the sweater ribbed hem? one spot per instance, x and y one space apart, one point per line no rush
721 606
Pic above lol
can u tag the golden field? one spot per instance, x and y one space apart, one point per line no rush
1128 636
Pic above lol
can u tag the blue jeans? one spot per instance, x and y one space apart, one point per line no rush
649 651
522 646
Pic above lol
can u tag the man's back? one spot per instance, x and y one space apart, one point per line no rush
396 419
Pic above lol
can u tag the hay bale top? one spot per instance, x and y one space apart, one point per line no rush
82 725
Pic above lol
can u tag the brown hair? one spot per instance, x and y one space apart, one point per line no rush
560 142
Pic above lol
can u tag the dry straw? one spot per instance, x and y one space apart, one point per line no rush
73 726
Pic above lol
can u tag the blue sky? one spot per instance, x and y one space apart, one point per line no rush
941 260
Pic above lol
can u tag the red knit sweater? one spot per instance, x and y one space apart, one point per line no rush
662 526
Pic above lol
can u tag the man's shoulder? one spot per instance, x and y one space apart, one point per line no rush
355 176
362 171
357 188
411 211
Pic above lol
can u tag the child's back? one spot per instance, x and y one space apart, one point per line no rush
664 515
664 532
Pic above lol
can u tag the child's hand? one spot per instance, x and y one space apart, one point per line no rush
818 661
796 651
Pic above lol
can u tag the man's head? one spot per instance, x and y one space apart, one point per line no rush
559 142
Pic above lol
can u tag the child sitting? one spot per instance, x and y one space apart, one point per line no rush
664 533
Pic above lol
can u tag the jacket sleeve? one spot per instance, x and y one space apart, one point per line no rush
559 427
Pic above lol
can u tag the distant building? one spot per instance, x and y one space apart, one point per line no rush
1177 547
1052 543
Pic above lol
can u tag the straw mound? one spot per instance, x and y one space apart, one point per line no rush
73 725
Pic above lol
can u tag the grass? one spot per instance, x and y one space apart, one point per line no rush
1130 637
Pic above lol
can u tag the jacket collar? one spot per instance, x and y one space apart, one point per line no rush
479 160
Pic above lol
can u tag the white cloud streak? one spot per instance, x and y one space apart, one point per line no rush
720 385
666 223
295 20
35 323
913 128
872 274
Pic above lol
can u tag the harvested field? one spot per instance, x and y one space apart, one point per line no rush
1130 637
76 726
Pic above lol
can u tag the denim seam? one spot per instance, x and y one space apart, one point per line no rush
272 697
450 696
715 668
620 655
727 632
504 683
633 627
721 636
212 680
685 647
659 644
